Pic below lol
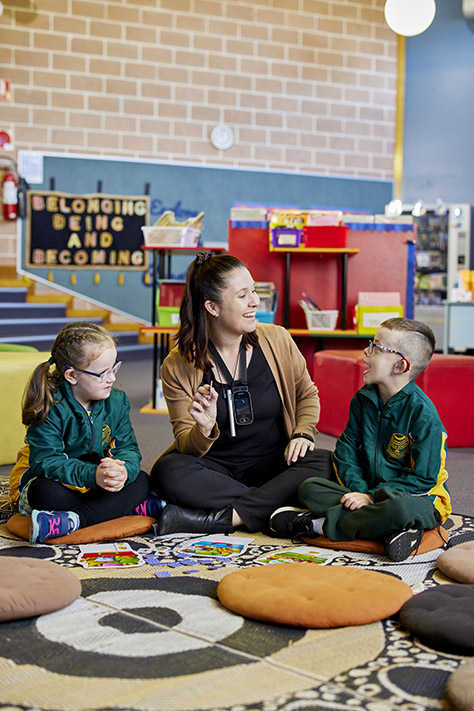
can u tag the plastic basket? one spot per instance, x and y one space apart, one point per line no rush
320 320
168 315
156 236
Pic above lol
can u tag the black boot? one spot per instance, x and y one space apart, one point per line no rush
175 519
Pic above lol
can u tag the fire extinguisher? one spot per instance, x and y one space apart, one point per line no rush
10 196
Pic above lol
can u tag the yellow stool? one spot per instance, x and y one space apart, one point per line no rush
15 371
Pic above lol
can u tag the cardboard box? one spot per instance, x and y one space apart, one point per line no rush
378 298
369 318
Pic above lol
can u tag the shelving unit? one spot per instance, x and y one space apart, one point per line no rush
161 269
342 252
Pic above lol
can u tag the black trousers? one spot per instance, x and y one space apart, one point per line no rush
93 506
200 483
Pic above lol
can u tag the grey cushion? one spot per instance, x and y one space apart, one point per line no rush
443 618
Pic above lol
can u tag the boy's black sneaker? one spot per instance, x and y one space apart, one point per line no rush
290 522
401 545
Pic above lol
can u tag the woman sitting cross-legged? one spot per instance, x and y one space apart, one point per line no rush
242 406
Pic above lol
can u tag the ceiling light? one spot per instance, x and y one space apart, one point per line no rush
394 208
409 17
418 209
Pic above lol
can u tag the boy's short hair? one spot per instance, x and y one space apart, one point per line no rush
415 340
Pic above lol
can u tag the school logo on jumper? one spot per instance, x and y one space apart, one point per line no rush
398 446
106 434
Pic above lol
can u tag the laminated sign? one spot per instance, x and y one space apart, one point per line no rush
91 231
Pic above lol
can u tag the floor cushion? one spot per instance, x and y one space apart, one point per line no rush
312 596
15 371
443 618
458 562
107 531
460 689
431 540
34 587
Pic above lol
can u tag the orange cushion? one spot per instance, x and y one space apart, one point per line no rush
458 562
430 541
107 531
312 596
34 587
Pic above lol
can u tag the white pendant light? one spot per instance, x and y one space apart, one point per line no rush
409 17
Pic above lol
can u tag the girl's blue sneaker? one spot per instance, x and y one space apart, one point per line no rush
52 524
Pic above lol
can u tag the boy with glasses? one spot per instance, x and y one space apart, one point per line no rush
389 462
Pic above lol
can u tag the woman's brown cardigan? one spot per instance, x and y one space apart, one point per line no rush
299 395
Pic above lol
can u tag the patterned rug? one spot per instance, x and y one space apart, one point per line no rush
155 638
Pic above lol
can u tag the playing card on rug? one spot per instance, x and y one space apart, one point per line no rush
300 554
215 546
109 555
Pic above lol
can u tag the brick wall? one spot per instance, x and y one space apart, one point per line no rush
308 85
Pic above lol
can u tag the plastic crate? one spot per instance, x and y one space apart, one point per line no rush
168 315
156 236
289 237
320 320
268 316
326 236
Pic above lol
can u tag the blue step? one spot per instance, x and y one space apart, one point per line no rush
16 294
18 311
11 329
134 351
125 338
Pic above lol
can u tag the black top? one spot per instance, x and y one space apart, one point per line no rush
266 435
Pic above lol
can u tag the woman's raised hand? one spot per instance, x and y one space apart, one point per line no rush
203 408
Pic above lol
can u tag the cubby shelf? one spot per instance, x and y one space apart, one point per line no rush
343 252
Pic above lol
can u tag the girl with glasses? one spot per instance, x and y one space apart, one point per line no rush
80 464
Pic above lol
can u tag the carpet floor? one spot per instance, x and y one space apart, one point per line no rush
156 638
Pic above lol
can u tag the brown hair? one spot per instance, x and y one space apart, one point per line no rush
205 281
76 345
415 340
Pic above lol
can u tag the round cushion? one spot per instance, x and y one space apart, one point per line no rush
33 587
460 689
432 539
443 618
312 596
107 531
458 562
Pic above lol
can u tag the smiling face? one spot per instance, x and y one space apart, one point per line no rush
88 388
234 314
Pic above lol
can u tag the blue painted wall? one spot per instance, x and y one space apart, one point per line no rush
439 109
189 190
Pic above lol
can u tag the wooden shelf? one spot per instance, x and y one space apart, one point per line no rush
342 252
178 248
338 332
158 329
314 250
148 409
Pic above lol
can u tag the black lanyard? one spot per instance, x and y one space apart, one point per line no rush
225 370
239 401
